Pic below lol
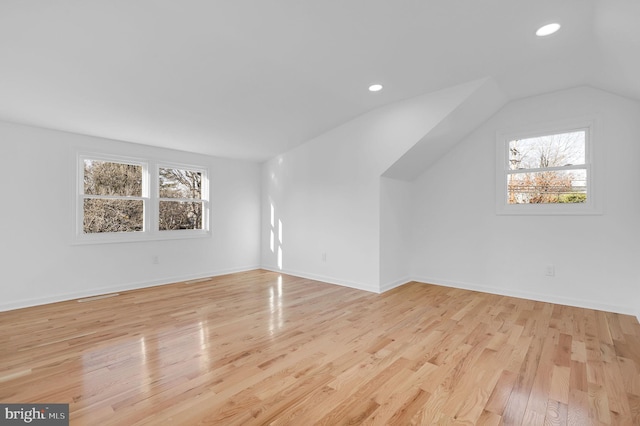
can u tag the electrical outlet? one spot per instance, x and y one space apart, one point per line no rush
550 271
155 259
324 256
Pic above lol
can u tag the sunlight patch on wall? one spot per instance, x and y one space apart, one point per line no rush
272 236
273 216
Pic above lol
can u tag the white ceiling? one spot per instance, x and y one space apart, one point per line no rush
253 78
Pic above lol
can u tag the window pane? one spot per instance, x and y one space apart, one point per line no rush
107 178
180 215
177 183
107 215
547 151
566 186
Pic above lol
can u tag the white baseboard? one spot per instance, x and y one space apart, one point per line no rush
394 284
25 303
325 279
589 304
580 303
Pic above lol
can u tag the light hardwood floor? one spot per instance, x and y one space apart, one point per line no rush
260 348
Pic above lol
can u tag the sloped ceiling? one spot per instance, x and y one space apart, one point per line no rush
252 78
483 100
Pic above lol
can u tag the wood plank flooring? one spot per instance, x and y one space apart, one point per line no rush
263 348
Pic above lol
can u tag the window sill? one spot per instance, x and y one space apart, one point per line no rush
133 237
548 210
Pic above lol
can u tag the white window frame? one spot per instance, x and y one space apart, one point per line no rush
150 197
593 204
204 198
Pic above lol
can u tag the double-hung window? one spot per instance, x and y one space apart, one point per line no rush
114 195
132 199
546 172
181 202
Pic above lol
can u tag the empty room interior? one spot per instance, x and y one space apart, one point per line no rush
296 212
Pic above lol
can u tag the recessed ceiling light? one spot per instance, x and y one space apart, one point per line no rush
375 87
547 29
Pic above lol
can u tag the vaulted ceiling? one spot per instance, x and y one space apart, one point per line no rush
253 78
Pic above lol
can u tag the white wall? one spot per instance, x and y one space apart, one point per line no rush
326 192
327 203
39 264
395 232
459 240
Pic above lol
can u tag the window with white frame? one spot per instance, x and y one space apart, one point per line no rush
113 196
130 199
546 172
181 203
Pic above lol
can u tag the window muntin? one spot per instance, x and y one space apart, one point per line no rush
112 196
181 204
